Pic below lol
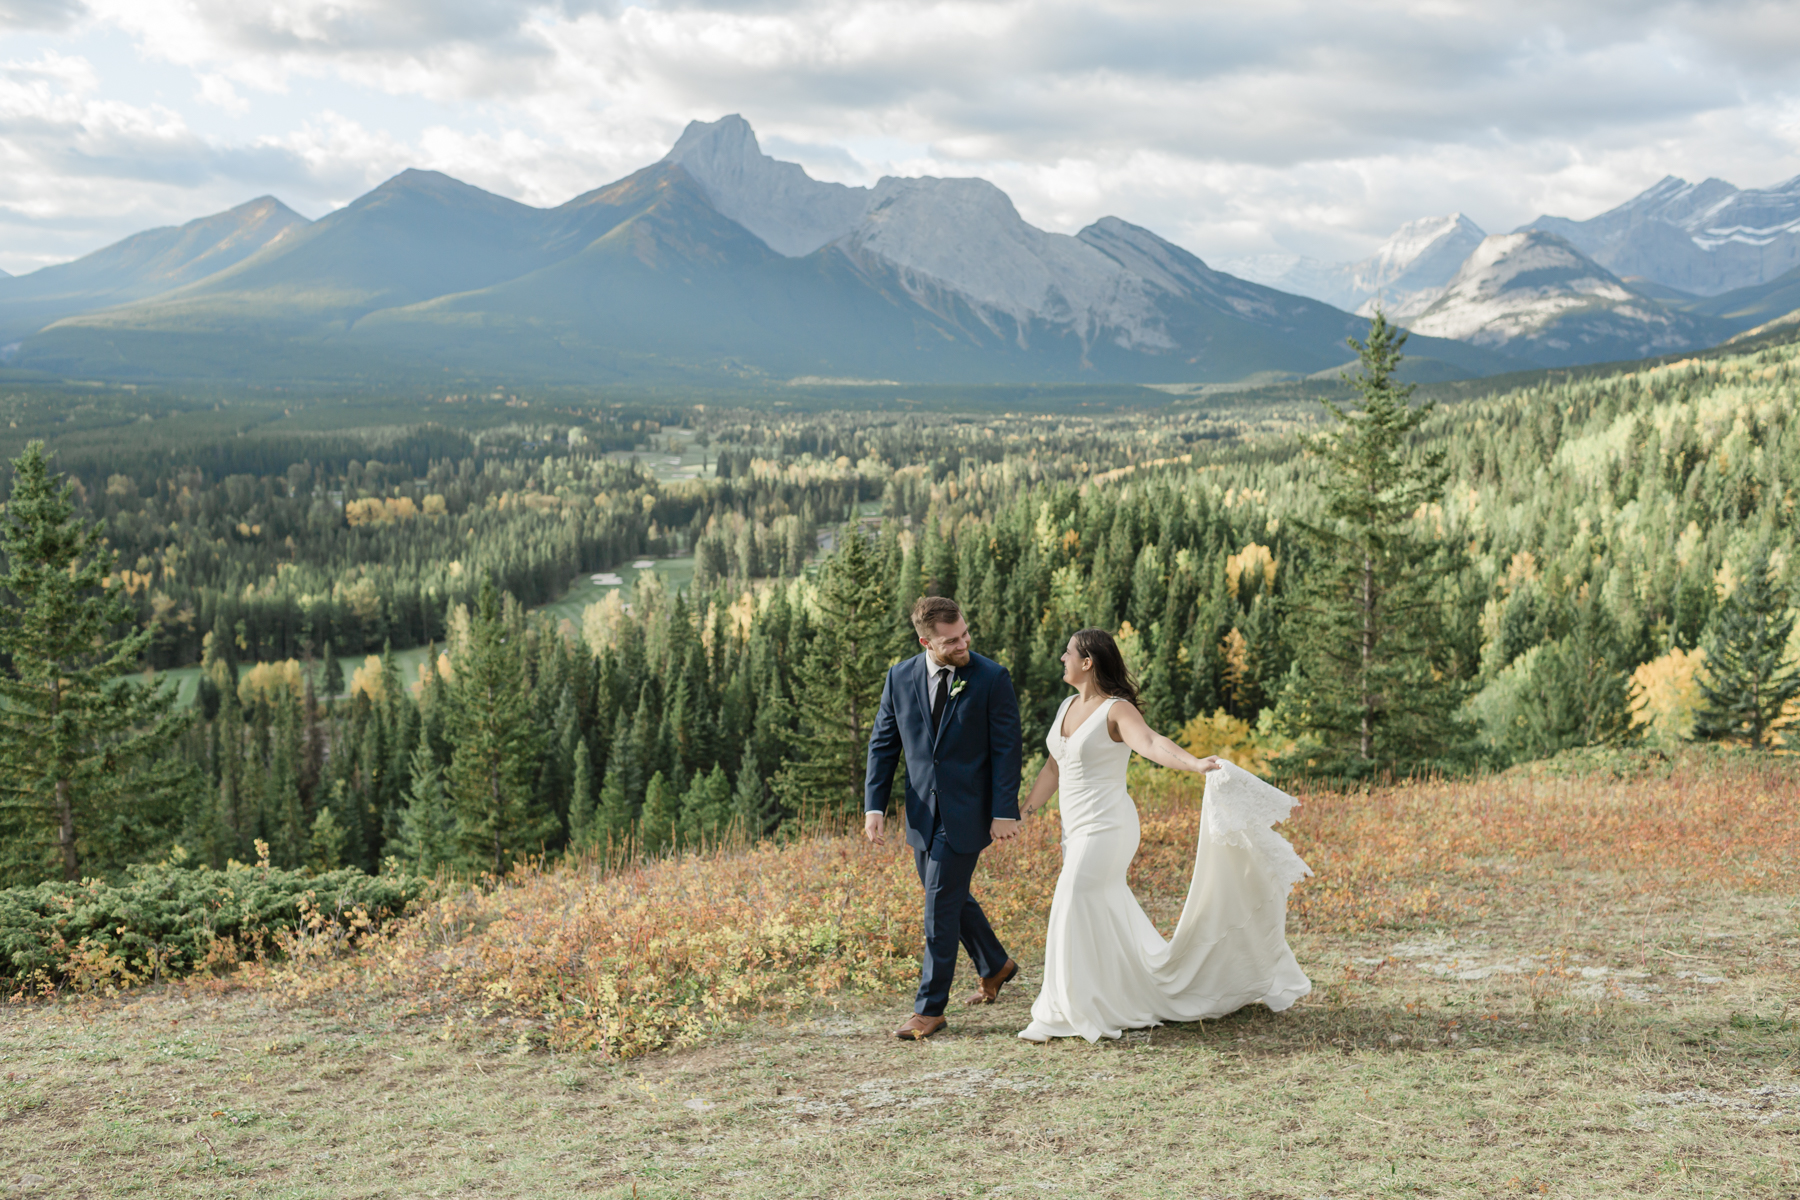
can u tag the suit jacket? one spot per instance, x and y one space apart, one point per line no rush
969 773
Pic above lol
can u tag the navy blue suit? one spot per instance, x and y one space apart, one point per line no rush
959 778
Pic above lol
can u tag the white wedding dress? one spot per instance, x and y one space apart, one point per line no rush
1106 969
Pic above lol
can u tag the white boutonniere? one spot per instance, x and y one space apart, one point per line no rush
956 687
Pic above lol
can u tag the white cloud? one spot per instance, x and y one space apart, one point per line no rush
216 90
1231 128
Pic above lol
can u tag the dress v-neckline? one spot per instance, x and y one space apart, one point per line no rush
1061 717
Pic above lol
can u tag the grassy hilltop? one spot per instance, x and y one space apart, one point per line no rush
1550 983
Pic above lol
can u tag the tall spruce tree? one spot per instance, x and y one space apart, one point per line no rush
582 824
492 779
1372 688
427 826
88 771
838 685
660 826
1749 676
615 814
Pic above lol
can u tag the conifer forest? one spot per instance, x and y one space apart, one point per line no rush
573 626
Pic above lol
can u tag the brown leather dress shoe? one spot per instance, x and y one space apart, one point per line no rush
991 984
919 1026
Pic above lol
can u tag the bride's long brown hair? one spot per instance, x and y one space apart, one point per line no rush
1109 664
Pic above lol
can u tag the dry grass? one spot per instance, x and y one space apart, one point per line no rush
1574 986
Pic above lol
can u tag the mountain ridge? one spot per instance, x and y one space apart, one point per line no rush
1534 294
144 264
649 276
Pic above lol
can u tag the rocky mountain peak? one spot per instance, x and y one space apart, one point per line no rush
778 201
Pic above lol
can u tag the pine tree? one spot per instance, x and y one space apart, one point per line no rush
660 826
750 800
289 832
615 814
1371 688
1578 690
87 757
493 770
427 827
1749 677
582 823
327 842
706 807
838 685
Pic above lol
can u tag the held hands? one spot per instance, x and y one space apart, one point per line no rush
875 827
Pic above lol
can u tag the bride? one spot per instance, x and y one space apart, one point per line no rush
1106 969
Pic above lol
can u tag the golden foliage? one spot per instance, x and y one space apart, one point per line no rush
369 680
377 511
1236 652
1231 738
1522 568
1665 694
265 680
1252 558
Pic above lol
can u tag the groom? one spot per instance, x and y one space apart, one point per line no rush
955 716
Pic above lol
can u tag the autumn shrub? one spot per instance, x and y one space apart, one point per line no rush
167 920
658 953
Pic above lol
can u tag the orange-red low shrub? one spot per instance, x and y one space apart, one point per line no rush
657 953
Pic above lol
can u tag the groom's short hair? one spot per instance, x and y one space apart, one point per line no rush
932 611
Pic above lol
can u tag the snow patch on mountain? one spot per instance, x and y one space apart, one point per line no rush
1706 238
779 202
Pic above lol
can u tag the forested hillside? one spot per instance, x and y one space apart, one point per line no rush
1588 536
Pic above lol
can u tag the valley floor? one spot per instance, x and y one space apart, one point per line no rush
1609 1039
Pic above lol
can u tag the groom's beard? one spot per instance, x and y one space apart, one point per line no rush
956 658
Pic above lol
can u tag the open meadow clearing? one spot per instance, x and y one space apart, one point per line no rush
1567 984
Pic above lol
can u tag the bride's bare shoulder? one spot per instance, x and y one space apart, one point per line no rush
1121 709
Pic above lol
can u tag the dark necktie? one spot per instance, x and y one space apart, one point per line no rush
940 700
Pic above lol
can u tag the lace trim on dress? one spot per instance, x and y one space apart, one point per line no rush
1238 810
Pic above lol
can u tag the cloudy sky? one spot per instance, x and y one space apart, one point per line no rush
1234 129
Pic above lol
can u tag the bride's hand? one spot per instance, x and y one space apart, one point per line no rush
1211 762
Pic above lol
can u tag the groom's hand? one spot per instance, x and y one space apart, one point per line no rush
1001 829
874 825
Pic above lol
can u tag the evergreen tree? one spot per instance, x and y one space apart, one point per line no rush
290 839
1749 678
89 776
838 686
660 826
327 839
750 799
706 808
1575 690
493 770
1371 687
582 819
615 815
427 826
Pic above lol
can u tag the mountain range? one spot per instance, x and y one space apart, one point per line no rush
719 264
1678 266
